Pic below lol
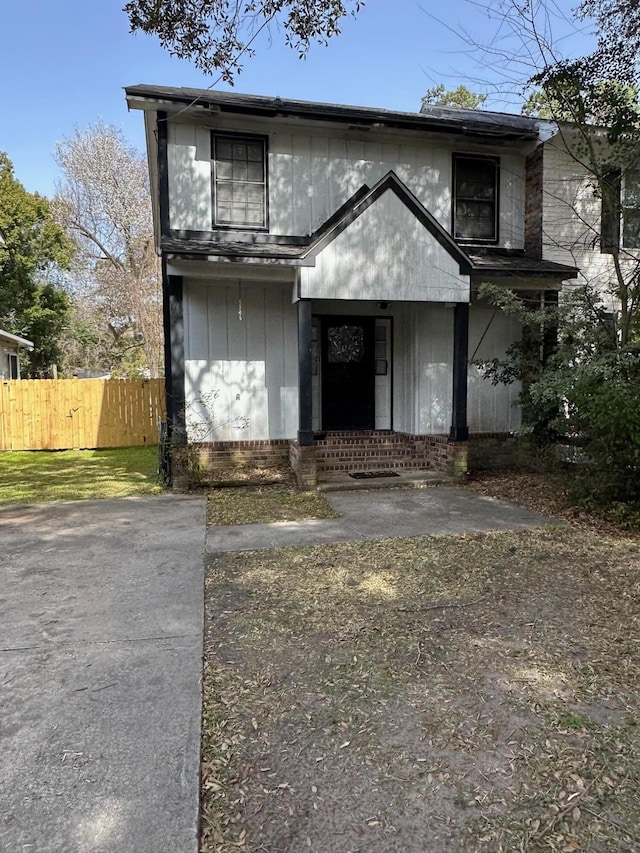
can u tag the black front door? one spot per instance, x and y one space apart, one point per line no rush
348 381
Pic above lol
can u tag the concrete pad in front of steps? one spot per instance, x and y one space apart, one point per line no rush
382 514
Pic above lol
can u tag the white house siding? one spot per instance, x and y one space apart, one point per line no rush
241 362
571 214
386 254
430 361
312 172
189 168
491 408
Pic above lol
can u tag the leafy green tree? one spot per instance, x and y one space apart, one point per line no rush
33 248
215 34
460 97
586 392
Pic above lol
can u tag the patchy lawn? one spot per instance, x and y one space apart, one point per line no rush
263 504
69 475
476 693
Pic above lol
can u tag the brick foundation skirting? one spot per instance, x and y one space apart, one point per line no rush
366 450
227 454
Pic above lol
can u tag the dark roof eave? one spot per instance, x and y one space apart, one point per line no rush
487 125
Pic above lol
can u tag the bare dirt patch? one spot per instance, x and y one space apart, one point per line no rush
475 693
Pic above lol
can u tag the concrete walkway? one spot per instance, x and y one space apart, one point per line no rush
381 513
101 620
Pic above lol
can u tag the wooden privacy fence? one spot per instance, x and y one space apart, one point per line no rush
62 414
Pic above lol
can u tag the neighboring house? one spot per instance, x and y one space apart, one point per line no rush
10 346
321 266
568 219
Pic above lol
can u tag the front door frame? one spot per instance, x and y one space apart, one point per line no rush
365 381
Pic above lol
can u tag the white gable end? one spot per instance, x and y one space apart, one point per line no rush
385 254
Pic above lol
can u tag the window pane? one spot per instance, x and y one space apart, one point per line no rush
631 229
239 212
223 212
224 170
239 171
255 151
254 214
255 172
254 193
225 192
632 189
223 149
239 150
475 220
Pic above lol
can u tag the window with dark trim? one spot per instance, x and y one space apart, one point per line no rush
239 181
475 198
14 372
620 218
631 209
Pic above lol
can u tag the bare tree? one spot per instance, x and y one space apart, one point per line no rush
103 201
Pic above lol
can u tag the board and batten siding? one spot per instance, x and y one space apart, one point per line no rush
385 254
491 408
571 218
311 174
241 361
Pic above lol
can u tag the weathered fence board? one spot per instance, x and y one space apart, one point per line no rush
61 414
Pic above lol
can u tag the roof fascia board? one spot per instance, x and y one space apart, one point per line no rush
140 97
16 339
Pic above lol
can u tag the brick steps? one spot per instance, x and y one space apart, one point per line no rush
366 450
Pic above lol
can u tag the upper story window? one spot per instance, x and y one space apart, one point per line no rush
239 181
475 198
620 217
631 210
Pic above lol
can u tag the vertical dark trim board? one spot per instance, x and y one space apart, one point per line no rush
163 173
305 380
459 427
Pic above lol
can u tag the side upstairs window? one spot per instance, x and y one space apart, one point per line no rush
475 198
620 222
239 181
631 209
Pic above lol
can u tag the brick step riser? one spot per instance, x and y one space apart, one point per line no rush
374 466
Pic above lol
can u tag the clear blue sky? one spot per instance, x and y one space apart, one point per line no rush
64 62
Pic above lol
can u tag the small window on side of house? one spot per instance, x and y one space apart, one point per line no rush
14 372
475 198
239 181
631 209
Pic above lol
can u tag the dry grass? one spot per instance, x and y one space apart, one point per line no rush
261 496
476 693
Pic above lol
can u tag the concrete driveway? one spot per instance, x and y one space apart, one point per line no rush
101 609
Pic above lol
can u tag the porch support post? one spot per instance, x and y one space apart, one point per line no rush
173 322
459 428
305 389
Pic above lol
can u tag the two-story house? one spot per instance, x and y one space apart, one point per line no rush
320 271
